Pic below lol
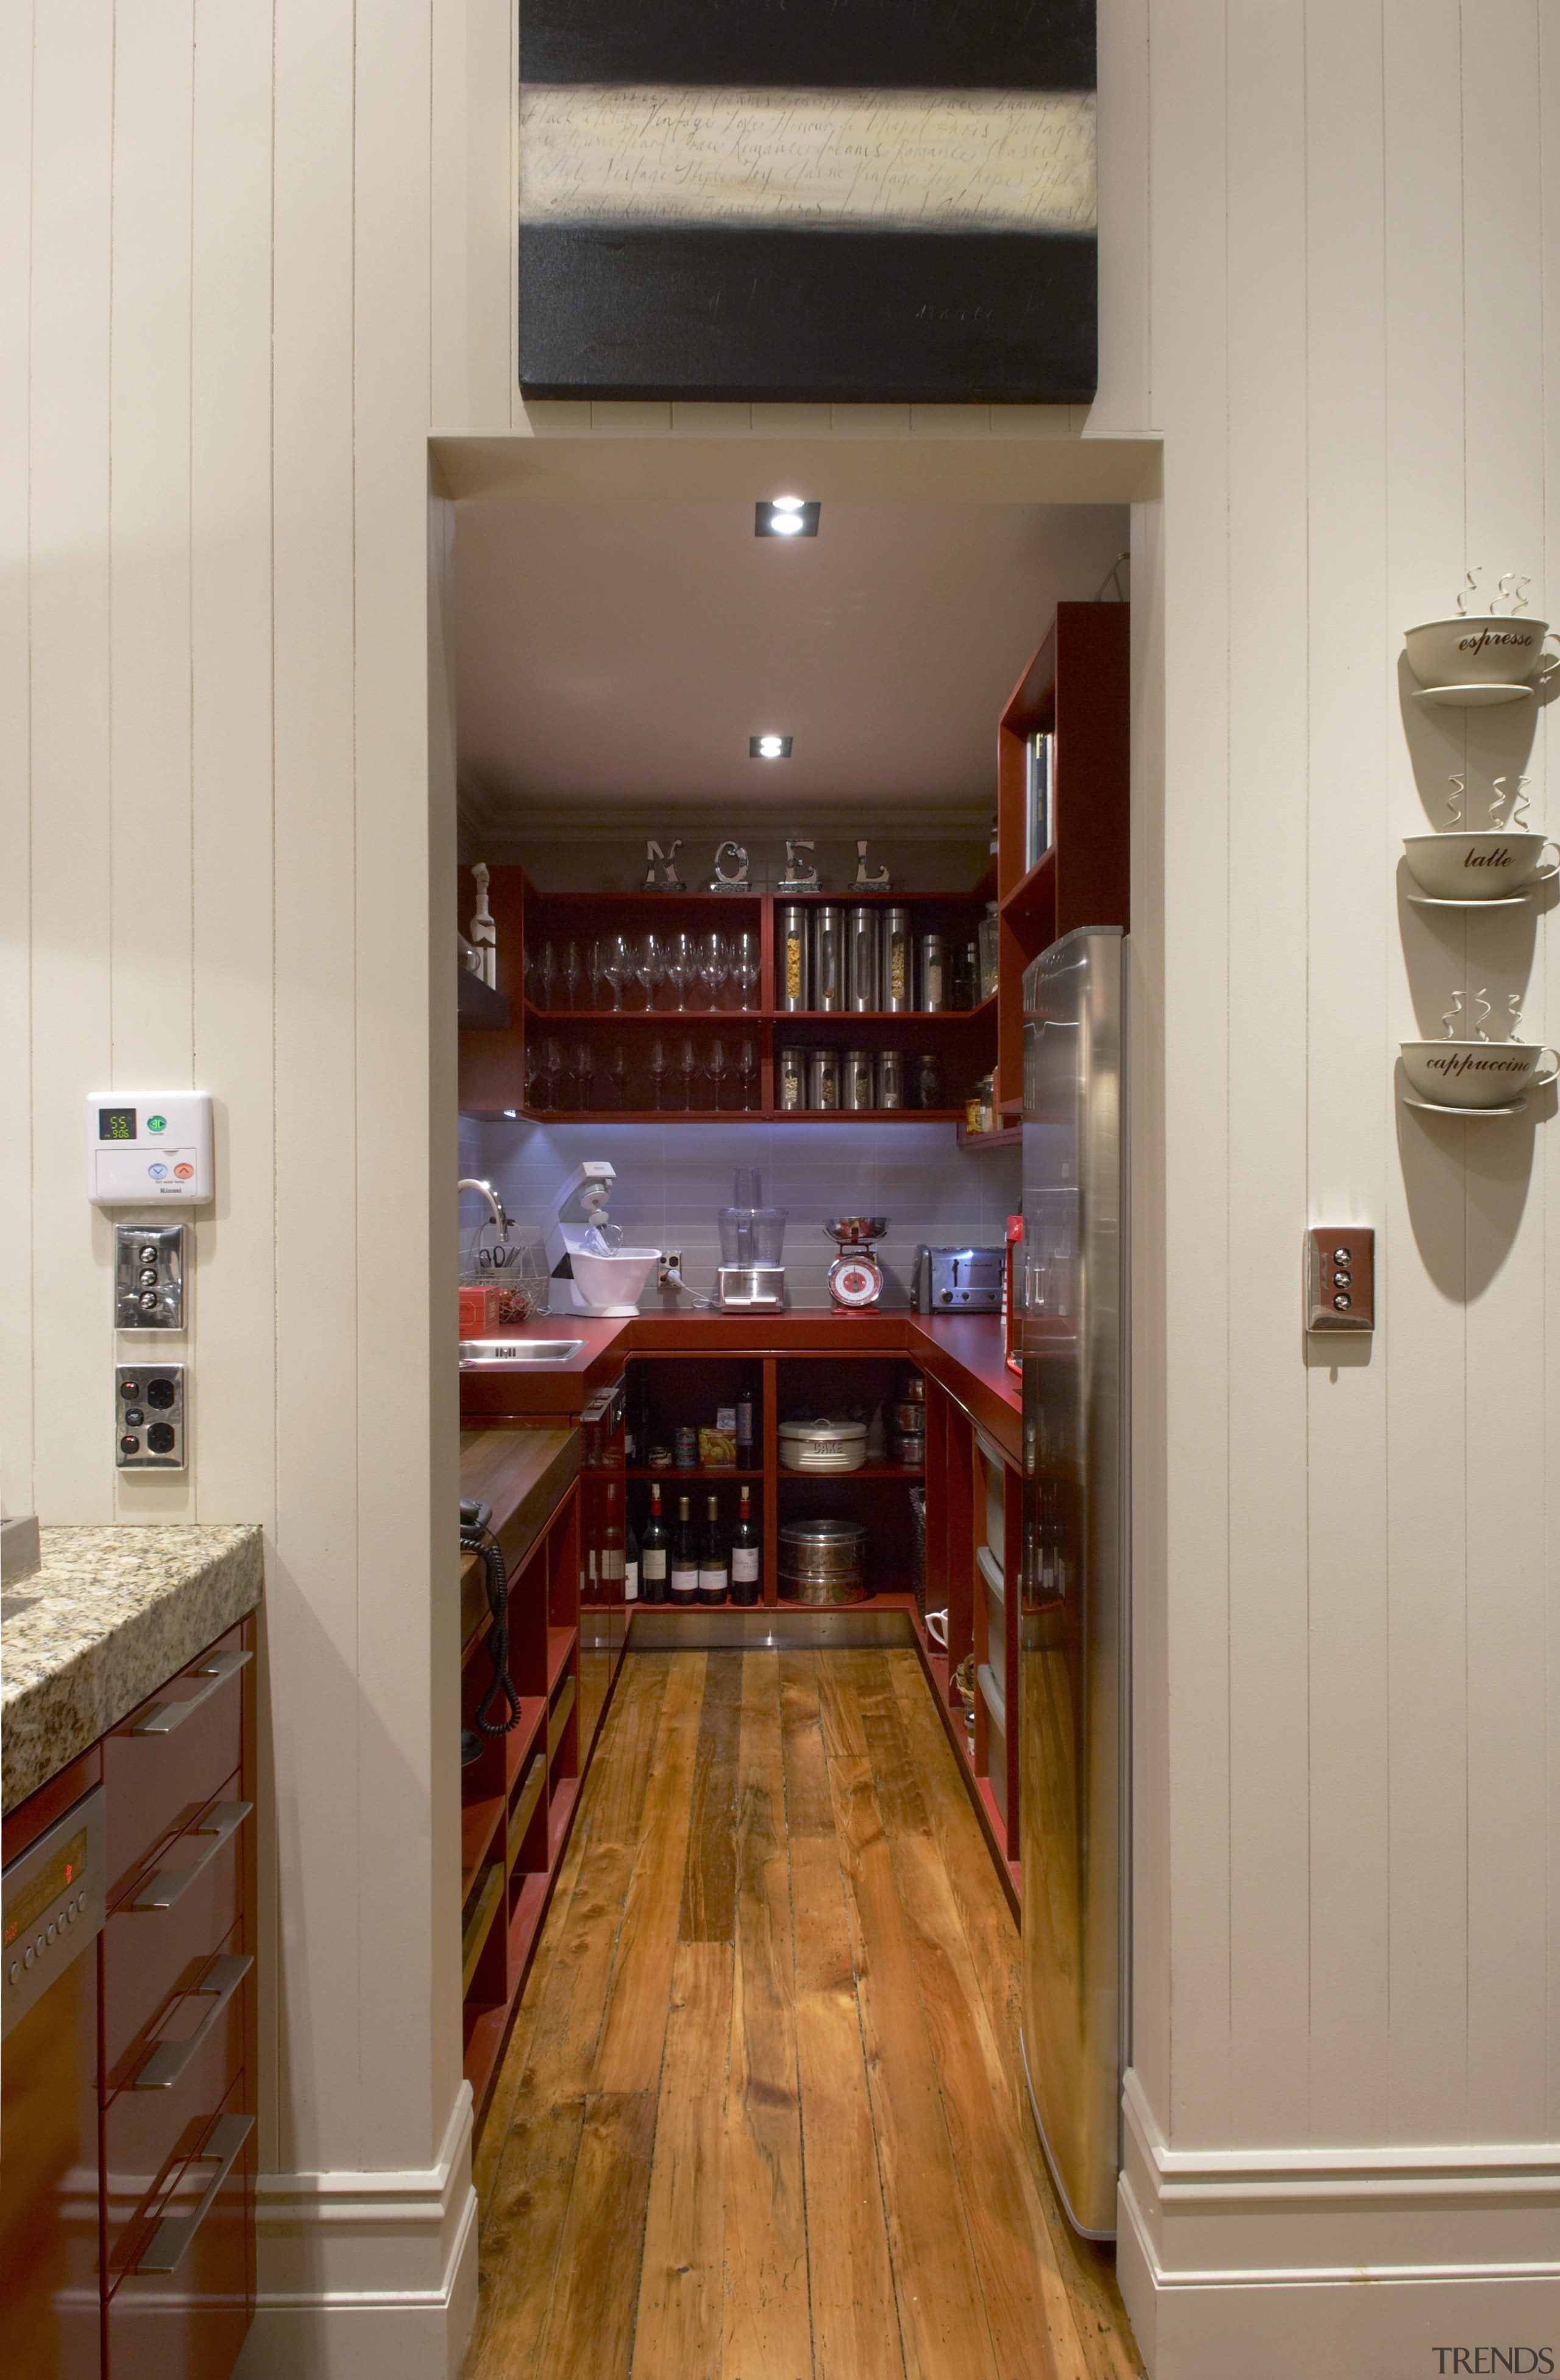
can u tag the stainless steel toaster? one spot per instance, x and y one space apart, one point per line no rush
957 1281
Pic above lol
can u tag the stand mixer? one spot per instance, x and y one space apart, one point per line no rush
856 1276
607 1277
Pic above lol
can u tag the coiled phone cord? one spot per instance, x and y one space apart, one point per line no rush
477 1538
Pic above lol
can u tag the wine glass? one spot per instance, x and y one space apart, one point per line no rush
551 1071
717 1068
648 966
714 964
570 971
748 1071
657 1073
615 1082
584 1068
595 964
745 964
546 973
688 1066
679 964
619 968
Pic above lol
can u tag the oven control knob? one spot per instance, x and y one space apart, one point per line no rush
945 1296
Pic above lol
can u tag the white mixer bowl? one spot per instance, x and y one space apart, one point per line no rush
611 1284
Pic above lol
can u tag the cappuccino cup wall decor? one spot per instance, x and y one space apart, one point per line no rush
1492 865
1476 1076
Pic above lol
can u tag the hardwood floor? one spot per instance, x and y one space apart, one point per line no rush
761 2117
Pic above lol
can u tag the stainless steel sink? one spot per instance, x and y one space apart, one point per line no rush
518 1351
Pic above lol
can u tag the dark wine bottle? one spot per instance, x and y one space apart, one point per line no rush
611 1548
682 1577
715 1579
747 1583
630 1562
653 1552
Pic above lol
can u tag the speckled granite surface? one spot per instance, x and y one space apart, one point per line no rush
108 1616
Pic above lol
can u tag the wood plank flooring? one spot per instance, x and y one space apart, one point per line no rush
762 2114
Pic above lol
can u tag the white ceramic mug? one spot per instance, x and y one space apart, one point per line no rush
1487 866
1487 650
1475 1074
937 1629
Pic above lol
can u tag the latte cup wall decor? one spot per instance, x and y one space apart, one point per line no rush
1466 868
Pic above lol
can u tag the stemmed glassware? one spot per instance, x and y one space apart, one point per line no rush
618 967
745 964
570 973
679 964
615 1083
657 1075
688 1066
648 966
584 1068
551 1071
714 964
717 1068
748 1072
595 964
548 973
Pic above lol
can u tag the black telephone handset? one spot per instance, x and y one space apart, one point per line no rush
476 1536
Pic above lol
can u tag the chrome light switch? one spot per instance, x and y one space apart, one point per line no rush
148 1276
1340 1277
149 1416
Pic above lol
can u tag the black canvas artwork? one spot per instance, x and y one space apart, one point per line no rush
808 199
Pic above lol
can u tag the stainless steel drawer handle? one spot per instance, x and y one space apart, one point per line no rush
223 1821
169 2059
173 2234
163 1718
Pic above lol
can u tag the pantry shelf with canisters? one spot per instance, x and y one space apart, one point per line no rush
699 1033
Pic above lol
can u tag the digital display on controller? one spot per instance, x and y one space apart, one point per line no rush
117 1124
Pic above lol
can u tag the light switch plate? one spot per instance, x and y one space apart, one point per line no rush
149 1416
148 1276
1340 1277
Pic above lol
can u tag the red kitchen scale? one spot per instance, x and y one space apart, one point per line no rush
856 1276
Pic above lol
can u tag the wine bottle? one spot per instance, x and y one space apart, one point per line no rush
682 1576
630 1562
715 1579
745 1431
632 1458
653 1553
611 1548
747 1585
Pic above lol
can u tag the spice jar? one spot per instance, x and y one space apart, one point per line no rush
856 1087
890 1079
790 1079
862 937
828 959
897 960
791 955
934 973
929 1080
822 1078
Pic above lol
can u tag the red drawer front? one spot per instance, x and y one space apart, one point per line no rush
49 2312
155 1782
189 2324
148 2128
150 1954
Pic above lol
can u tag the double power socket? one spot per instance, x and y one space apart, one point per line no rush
149 1397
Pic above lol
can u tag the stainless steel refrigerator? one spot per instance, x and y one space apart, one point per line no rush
1073 1636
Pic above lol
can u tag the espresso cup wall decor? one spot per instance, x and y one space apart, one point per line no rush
1476 1073
1490 864
1491 649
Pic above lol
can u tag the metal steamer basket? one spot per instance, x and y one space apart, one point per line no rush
823 1561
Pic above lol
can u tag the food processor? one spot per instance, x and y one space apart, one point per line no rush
607 1277
751 1276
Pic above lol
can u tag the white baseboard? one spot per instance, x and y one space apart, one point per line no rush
1337 2263
367 2276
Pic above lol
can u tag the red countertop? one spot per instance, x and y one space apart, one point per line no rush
964 1352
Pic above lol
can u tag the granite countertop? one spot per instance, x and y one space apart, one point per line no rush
108 1616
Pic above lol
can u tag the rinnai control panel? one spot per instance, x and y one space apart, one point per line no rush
148 1147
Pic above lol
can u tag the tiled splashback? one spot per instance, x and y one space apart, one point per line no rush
672 1177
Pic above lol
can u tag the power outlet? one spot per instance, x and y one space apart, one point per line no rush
671 1262
148 1276
1340 1277
149 1416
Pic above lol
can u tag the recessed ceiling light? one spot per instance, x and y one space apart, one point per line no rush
786 517
769 747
